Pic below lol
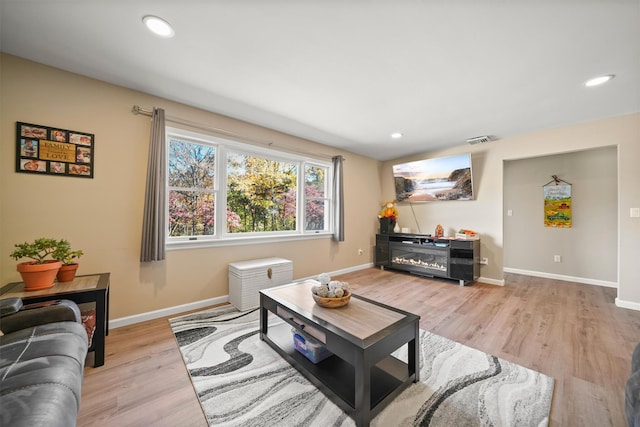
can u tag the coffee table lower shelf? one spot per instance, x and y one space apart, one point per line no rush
336 377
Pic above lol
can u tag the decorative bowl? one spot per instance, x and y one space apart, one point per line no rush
332 302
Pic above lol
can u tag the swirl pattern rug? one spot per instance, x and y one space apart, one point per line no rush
241 381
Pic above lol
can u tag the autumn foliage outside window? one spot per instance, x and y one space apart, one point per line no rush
262 192
191 189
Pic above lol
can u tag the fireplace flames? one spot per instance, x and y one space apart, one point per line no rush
419 263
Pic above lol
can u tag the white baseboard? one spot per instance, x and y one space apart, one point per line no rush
491 281
142 317
627 304
342 271
150 315
561 277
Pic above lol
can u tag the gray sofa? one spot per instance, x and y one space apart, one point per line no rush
42 354
632 390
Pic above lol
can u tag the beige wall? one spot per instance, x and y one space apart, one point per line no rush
485 214
103 215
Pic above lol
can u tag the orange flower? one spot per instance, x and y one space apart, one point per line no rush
389 211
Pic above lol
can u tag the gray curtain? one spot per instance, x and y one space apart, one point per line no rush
153 226
338 195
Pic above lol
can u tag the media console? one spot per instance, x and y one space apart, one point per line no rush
429 256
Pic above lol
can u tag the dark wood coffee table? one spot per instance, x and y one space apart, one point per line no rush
361 376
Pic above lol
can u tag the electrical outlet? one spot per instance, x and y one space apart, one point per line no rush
360 251
484 261
557 258
634 212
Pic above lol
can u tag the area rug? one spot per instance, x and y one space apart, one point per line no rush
241 381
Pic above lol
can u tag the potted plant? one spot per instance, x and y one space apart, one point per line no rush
66 256
40 272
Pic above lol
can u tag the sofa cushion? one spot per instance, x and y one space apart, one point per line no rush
40 313
41 370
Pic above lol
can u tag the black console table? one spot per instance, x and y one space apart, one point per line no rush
429 256
92 289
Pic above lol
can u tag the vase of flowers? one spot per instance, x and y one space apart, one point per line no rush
388 217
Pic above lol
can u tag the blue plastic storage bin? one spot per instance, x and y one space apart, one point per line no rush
313 350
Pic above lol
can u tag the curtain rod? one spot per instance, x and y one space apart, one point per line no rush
136 109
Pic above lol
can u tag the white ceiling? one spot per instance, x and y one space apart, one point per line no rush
348 73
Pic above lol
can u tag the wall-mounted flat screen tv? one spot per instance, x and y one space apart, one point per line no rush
429 180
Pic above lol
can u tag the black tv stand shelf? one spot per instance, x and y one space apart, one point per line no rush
424 255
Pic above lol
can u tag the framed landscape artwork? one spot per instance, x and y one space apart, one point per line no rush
54 151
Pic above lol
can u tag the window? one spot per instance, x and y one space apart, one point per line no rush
191 188
221 190
316 201
262 192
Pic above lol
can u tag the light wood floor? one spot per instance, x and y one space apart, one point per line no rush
572 332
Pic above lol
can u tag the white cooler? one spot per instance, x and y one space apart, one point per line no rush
247 278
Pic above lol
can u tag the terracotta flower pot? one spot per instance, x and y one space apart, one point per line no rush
38 276
67 272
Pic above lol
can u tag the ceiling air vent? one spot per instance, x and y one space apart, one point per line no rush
479 140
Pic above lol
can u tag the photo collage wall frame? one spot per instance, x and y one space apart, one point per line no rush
54 151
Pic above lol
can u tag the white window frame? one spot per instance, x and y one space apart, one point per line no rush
221 237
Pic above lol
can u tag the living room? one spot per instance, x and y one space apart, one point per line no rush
103 215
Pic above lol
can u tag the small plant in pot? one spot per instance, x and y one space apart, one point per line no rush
66 256
40 272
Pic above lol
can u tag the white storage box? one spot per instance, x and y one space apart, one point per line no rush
247 278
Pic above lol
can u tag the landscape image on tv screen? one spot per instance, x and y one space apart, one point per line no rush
443 178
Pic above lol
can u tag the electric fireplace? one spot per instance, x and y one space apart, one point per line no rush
420 259
424 255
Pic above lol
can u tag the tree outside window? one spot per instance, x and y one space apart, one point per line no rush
191 189
315 198
265 194
262 192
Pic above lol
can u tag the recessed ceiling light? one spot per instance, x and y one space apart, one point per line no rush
396 135
158 26
599 80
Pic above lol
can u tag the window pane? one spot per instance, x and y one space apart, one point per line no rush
315 203
314 178
261 194
314 215
191 213
191 165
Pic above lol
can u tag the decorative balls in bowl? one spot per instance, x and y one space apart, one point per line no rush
331 293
